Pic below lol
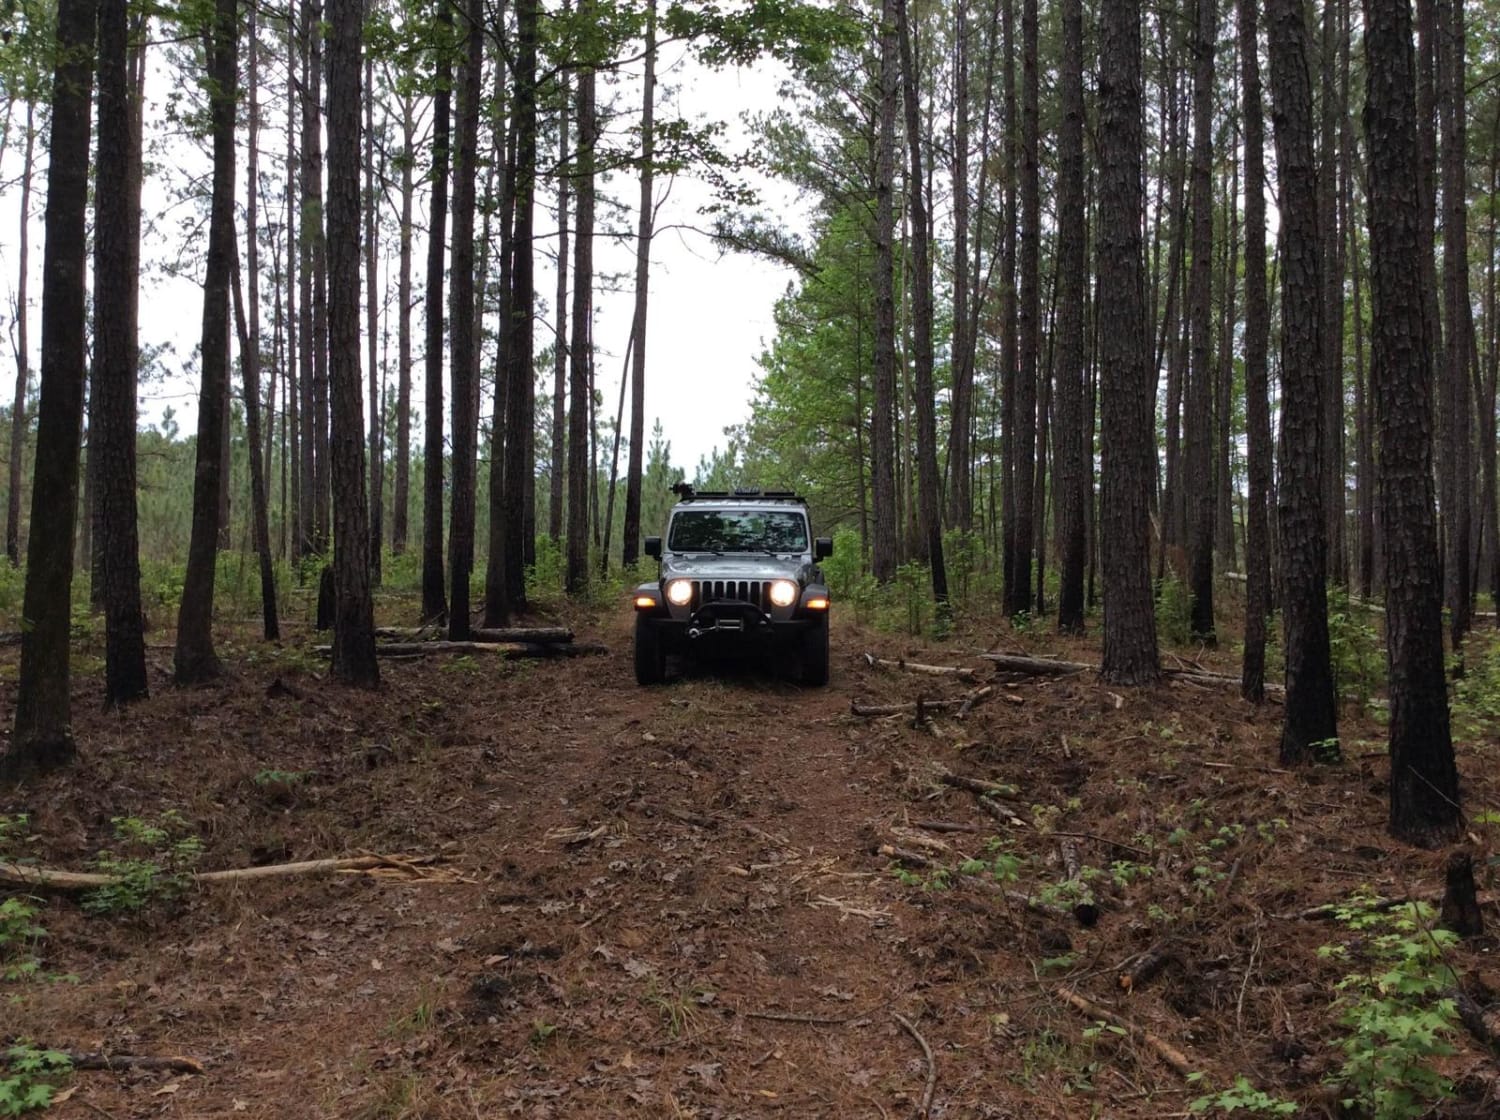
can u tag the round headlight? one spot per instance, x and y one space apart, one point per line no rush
783 593
680 592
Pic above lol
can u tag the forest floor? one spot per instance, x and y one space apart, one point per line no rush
671 901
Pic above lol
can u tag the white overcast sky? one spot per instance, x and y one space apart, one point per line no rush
710 313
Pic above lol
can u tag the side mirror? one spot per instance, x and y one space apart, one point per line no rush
653 547
822 548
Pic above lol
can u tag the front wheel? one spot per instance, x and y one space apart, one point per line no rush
650 656
815 654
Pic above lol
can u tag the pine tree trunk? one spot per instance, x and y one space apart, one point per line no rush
580 377
1022 435
1424 805
434 603
1332 303
928 498
292 525
1454 394
401 492
18 423
1310 727
463 345
557 466
312 155
196 660
1125 378
250 349
960 454
631 531
882 420
43 738
309 223
1198 486
1257 346
1072 287
372 331
354 620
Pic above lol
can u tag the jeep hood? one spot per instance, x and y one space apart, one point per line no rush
735 565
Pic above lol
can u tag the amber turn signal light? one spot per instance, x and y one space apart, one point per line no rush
644 602
817 604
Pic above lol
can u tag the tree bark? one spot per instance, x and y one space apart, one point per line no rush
1022 434
116 270
1072 292
1424 805
1257 332
18 423
883 553
631 531
463 373
960 453
1454 394
196 660
372 331
1310 727
580 377
401 489
1124 376
1198 486
354 620
250 351
43 737
521 392
928 498
434 603
557 468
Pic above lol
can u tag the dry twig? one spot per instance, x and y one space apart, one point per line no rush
925 1107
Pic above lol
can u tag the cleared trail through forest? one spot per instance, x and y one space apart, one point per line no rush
728 896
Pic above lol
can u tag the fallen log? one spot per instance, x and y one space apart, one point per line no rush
977 785
510 651
962 703
57 879
1046 667
1483 1023
1164 1049
917 667
98 1059
539 634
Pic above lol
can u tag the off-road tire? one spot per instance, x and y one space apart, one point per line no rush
650 656
815 654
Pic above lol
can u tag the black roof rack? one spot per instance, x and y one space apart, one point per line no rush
686 493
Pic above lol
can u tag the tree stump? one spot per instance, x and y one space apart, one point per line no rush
1461 911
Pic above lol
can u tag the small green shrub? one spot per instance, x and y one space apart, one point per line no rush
19 936
33 1079
1174 613
1396 1009
1243 1097
1354 648
154 864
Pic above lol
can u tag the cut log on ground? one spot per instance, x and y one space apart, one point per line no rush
413 868
1483 1023
917 667
1164 1049
97 1059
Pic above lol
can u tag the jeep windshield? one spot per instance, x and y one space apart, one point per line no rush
750 530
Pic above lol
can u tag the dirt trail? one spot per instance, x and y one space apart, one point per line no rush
675 906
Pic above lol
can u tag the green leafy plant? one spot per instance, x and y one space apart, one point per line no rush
1395 1007
1174 613
1354 648
155 863
32 1080
1242 1096
19 936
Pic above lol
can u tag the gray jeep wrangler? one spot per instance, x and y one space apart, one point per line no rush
739 570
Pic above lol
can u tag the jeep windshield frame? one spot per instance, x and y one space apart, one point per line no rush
722 531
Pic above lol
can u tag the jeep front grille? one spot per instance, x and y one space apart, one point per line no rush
752 591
